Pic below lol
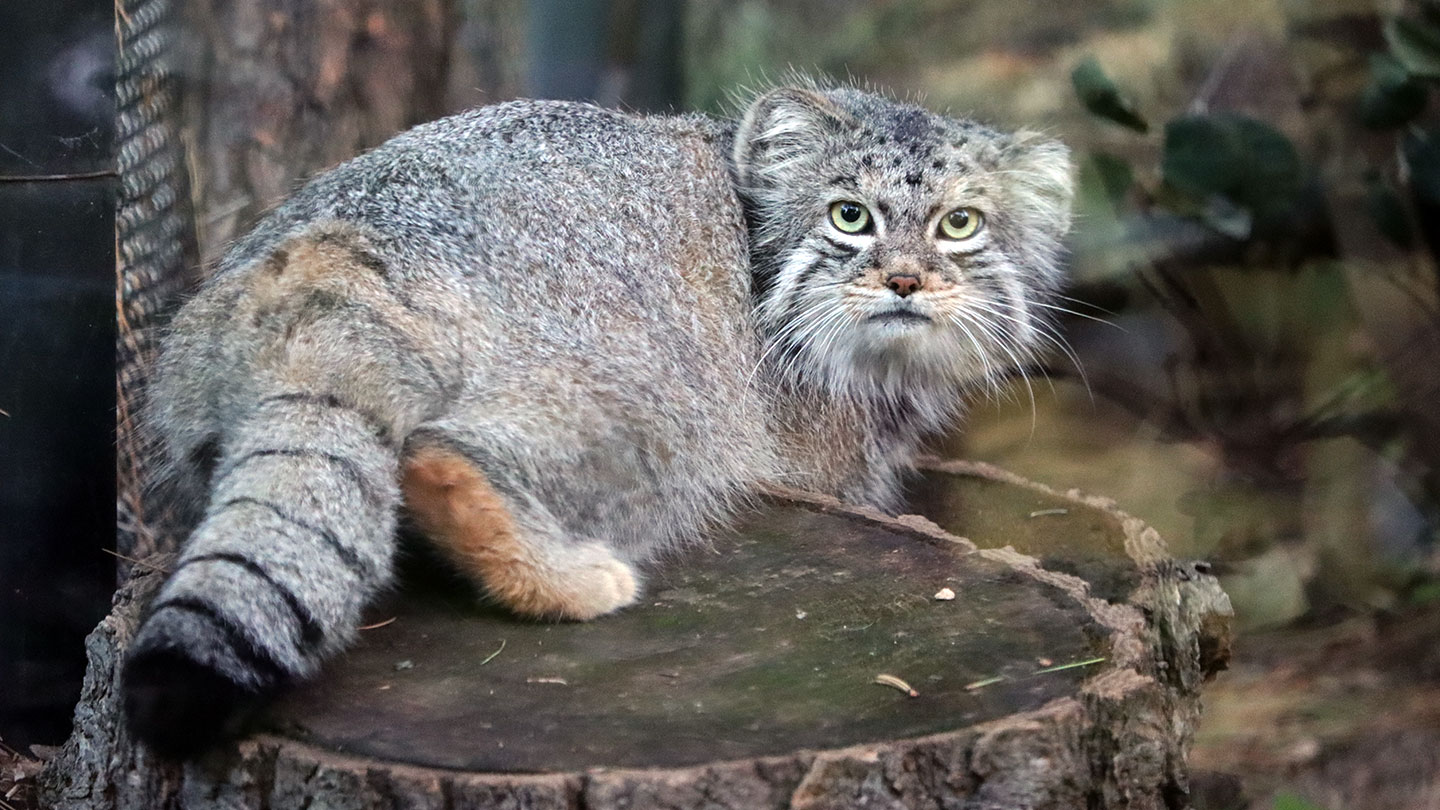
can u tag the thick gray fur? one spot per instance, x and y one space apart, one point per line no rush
627 323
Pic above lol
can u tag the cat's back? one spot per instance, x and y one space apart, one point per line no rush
530 185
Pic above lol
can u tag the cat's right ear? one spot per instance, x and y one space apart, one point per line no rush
780 129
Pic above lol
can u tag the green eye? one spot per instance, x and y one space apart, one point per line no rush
850 217
962 223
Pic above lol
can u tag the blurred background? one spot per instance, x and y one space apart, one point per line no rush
1253 313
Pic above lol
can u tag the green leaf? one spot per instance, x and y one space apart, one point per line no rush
1425 593
1289 801
1114 175
1240 158
1393 96
1102 97
1422 159
1202 156
1416 44
1383 204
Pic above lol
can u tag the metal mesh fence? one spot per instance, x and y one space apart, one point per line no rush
155 240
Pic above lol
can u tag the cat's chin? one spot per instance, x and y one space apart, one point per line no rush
892 356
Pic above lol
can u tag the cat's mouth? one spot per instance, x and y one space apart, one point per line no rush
905 315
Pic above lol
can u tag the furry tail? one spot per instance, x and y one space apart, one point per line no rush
298 528
298 535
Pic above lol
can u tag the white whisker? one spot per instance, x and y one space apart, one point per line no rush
998 335
1050 335
1068 311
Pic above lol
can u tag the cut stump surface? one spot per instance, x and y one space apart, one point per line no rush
746 678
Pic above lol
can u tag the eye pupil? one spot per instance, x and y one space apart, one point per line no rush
850 212
959 219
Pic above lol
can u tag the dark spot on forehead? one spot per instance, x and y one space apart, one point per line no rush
912 179
884 209
938 165
845 181
910 126
868 161
896 161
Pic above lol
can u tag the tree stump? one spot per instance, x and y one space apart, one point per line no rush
1064 673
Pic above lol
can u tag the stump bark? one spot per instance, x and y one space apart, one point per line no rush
1064 674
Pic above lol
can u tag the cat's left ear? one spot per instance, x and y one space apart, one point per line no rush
780 129
1041 179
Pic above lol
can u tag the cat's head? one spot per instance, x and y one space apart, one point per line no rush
894 248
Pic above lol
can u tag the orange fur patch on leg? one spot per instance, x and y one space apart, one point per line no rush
458 509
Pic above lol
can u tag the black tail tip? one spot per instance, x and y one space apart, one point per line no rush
180 708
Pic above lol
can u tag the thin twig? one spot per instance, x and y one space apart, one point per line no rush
491 656
1072 665
46 178
1057 668
895 683
378 625
132 560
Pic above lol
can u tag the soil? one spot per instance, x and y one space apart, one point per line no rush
1343 714
17 780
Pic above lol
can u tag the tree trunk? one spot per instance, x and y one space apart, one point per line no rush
1063 677
284 88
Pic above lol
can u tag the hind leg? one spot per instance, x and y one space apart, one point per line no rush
523 560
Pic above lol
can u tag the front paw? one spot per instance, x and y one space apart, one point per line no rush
587 582
599 583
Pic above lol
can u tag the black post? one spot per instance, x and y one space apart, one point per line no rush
58 189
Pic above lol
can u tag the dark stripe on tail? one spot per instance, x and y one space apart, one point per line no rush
310 630
345 465
257 658
346 554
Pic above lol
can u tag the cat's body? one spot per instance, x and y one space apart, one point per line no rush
562 339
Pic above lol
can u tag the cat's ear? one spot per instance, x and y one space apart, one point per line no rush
781 128
1040 180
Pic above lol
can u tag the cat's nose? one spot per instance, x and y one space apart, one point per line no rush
903 285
